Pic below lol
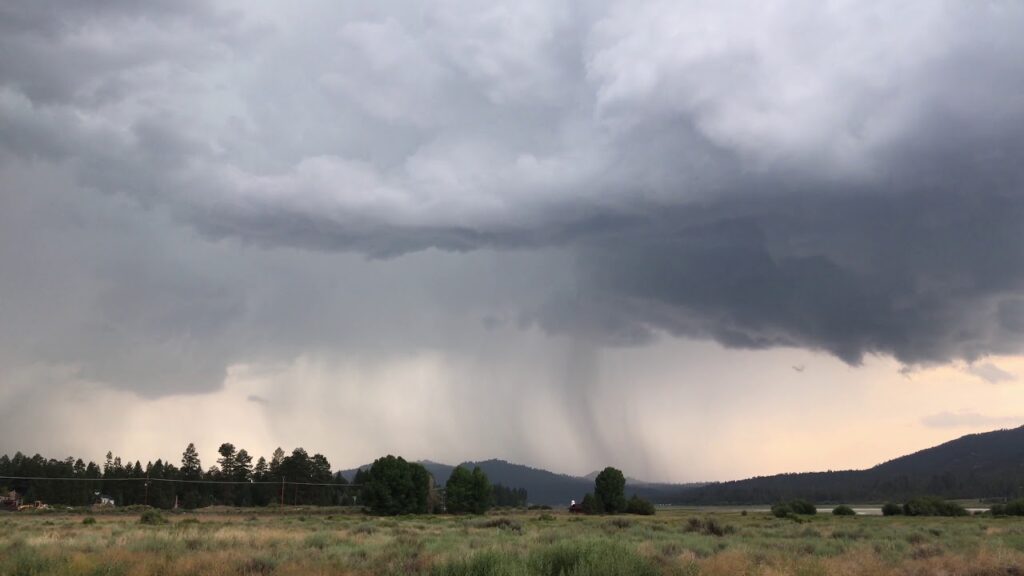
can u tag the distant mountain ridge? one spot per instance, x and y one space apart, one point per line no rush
543 486
985 465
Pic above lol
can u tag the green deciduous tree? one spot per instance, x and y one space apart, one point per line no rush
610 489
394 486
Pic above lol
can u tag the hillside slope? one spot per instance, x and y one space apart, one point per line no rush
987 465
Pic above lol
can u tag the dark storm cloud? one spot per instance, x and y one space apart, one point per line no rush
843 177
925 277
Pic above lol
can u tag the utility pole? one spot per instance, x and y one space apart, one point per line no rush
282 493
147 489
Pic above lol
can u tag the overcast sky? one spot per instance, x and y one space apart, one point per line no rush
695 240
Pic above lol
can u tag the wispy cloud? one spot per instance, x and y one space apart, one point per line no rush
990 373
257 400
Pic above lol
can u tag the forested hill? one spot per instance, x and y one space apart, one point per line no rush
988 465
543 486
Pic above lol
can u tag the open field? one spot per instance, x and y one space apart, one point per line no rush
335 541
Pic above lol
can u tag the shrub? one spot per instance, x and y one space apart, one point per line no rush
592 559
613 560
843 510
319 540
1013 508
501 524
620 523
152 517
591 504
489 563
363 529
782 510
637 505
892 509
708 527
793 507
258 566
932 506
803 507
88 520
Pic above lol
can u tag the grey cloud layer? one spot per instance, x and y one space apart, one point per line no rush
125 297
842 176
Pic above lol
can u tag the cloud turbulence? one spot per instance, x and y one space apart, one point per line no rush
189 185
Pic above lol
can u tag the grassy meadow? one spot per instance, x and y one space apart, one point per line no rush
337 541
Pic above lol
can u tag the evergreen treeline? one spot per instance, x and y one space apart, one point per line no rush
507 496
390 486
468 492
124 480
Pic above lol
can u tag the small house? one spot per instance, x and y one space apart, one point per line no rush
10 501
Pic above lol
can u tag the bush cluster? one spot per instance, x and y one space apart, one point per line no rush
152 517
1013 508
843 510
708 527
501 524
932 506
637 505
892 509
592 559
793 508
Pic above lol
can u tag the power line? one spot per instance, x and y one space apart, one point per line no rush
182 481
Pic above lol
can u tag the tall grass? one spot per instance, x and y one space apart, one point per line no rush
512 543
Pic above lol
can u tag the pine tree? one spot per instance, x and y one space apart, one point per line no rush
191 470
